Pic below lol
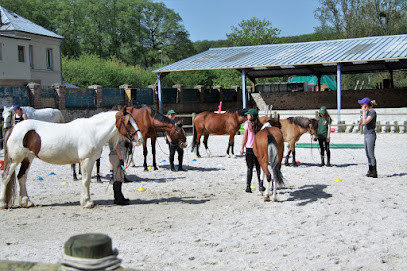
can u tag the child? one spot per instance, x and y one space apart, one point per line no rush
251 127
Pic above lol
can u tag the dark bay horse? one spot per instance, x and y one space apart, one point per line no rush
150 122
268 146
206 123
293 128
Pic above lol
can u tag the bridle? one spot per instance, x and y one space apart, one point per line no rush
175 131
130 134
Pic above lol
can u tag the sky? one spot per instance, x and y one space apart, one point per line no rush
213 19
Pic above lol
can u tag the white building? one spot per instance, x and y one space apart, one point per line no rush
28 52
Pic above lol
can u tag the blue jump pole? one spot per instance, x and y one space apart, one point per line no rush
244 91
160 96
338 90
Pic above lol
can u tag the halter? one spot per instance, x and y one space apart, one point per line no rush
131 135
175 131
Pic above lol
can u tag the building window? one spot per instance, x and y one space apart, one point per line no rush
21 54
31 56
49 59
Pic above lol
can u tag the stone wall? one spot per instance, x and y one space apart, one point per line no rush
385 98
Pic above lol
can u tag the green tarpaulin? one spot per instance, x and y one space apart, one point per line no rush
329 80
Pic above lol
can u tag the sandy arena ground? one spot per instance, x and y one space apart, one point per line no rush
203 219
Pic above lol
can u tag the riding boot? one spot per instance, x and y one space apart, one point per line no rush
328 159
119 199
322 161
180 158
249 180
373 173
369 171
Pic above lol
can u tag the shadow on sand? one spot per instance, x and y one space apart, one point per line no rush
308 194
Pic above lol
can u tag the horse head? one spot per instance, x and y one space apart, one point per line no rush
127 126
177 134
313 127
7 114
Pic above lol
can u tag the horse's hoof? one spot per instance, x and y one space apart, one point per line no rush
145 169
26 203
155 168
267 199
295 165
89 205
3 206
274 199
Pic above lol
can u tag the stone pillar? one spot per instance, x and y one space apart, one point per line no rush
155 95
98 90
201 90
35 94
180 93
61 94
238 93
220 90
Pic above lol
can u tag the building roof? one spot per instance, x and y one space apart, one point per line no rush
356 55
11 21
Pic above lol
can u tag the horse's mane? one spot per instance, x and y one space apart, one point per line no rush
240 112
300 121
161 117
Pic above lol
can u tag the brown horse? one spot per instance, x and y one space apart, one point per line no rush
206 123
268 146
150 122
293 128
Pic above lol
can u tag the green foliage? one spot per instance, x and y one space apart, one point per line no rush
90 69
253 32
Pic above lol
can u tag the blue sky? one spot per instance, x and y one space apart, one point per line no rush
212 19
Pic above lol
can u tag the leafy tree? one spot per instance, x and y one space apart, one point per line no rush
253 32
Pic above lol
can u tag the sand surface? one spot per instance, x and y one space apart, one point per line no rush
203 219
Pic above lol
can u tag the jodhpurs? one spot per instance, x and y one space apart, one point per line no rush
370 140
251 160
175 148
118 174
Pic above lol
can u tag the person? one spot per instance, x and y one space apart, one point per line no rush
117 164
19 116
324 135
174 147
369 121
251 127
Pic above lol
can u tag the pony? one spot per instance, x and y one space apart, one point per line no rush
268 146
150 122
44 114
80 141
293 128
206 123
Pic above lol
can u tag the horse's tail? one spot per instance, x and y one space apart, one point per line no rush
273 159
11 185
193 145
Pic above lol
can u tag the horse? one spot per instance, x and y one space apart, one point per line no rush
293 128
80 141
150 122
268 146
44 114
206 123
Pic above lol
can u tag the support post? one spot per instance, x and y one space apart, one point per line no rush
160 96
338 90
35 97
244 91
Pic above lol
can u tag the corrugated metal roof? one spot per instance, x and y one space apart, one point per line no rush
11 21
275 59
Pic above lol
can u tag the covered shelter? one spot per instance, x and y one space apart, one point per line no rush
344 56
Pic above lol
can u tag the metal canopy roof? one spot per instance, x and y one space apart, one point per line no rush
357 55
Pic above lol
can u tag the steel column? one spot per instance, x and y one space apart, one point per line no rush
160 96
244 91
338 90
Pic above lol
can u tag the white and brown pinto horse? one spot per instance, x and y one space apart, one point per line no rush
80 141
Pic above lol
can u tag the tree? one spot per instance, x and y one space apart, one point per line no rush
253 32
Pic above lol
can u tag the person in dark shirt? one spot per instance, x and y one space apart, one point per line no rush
19 115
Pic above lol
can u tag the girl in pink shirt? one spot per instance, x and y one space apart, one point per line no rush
251 127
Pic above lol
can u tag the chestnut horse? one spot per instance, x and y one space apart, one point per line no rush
293 128
79 141
268 146
206 123
150 122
